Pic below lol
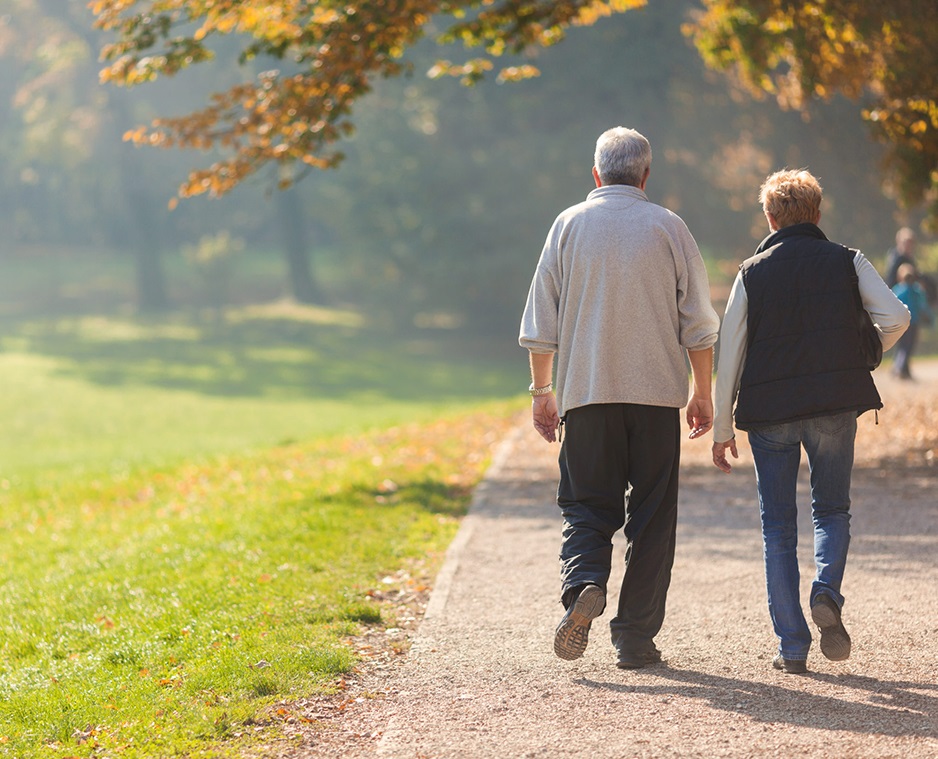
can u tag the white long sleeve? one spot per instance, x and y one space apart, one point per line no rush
889 314
733 336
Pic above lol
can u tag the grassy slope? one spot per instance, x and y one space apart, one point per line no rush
162 535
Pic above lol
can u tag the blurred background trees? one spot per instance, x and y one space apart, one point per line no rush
439 210
885 55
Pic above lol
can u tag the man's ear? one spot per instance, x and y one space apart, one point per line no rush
645 179
596 177
773 225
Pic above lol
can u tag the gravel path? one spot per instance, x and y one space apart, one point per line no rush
481 680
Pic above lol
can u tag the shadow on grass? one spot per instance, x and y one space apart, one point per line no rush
430 495
279 357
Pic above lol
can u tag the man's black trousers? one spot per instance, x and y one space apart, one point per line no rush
619 466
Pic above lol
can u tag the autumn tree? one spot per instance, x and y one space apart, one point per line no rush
884 54
327 55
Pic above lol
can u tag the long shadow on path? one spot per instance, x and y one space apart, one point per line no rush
857 704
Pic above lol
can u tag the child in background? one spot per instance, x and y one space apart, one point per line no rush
911 293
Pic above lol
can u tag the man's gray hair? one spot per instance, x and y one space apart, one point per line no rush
622 157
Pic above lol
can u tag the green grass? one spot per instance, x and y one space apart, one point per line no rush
91 395
192 517
143 609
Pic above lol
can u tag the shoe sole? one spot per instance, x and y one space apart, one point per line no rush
835 642
573 632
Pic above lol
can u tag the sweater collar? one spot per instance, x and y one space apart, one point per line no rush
794 230
617 190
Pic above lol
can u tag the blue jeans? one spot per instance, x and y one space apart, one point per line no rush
776 451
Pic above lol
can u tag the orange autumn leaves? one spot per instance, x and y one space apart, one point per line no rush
885 54
292 120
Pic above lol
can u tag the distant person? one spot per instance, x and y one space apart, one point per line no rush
913 296
902 253
620 293
791 360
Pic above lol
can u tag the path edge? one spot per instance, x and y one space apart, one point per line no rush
482 494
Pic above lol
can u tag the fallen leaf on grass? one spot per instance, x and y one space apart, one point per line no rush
85 735
388 486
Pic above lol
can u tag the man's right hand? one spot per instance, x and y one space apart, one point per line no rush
699 415
545 416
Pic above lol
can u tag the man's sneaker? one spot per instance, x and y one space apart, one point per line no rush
637 660
791 666
573 631
835 643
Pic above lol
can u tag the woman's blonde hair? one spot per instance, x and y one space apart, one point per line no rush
792 196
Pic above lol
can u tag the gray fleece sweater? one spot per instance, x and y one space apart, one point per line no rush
620 292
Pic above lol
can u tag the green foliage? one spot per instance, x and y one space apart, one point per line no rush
212 260
927 258
885 53
446 192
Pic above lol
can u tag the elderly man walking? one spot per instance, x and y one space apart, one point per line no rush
791 361
621 296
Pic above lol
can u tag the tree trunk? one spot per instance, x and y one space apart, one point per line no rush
151 282
296 247
141 231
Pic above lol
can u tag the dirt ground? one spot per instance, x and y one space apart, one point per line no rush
480 678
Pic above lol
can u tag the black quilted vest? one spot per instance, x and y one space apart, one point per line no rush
803 356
